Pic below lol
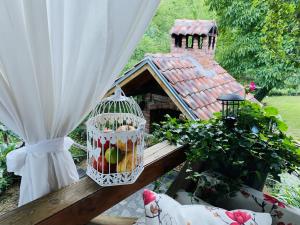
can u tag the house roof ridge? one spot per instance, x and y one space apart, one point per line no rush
168 55
194 20
192 27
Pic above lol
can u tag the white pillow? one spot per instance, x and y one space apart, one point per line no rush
185 198
160 209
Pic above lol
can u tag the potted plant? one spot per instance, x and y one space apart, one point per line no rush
256 146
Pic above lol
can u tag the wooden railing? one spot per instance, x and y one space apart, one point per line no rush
81 202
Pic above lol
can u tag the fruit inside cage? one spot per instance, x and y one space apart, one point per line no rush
115 140
118 157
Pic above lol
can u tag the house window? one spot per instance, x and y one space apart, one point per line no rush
178 41
200 42
189 41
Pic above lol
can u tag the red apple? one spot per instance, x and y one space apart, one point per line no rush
99 145
102 165
105 146
113 168
94 162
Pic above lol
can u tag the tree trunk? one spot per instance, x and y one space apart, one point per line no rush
262 93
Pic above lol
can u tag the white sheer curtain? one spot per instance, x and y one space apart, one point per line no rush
57 59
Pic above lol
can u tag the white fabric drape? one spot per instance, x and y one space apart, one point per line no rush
57 59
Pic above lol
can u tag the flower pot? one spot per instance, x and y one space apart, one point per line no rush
256 182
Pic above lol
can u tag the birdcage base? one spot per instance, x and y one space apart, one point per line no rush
113 179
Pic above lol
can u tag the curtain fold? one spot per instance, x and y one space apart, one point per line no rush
57 59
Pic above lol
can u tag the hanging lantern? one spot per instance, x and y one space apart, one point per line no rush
115 140
230 106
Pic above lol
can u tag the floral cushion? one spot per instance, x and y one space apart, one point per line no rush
248 198
160 209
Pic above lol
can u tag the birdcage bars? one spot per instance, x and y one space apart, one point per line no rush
115 140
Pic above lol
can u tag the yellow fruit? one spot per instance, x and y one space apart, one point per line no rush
122 145
127 164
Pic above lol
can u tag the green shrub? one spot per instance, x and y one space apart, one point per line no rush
287 190
79 136
6 178
255 146
8 142
285 91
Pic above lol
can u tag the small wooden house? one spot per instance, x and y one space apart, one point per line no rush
185 81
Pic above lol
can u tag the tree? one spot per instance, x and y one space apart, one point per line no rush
259 40
157 37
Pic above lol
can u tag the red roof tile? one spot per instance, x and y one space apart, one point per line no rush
198 82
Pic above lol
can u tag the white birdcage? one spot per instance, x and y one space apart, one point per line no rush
115 140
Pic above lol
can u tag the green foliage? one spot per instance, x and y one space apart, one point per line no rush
79 136
259 40
6 178
255 146
285 92
289 109
77 154
287 190
212 187
157 38
7 136
150 140
8 142
291 87
162 184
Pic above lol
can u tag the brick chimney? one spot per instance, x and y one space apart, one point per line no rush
195 37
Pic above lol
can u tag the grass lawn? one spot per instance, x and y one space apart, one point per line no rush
289 108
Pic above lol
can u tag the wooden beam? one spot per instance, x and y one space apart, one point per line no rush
158 80
78 203
124 82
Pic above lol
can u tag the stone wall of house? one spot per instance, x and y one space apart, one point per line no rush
153 102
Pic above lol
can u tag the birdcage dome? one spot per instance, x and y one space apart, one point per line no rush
115 140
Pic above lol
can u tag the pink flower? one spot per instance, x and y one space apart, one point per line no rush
148 196
238 217
252 86
273 201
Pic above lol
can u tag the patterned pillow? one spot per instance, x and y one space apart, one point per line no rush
160 209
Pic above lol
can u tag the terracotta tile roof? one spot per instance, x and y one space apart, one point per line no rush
197 82
191 27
